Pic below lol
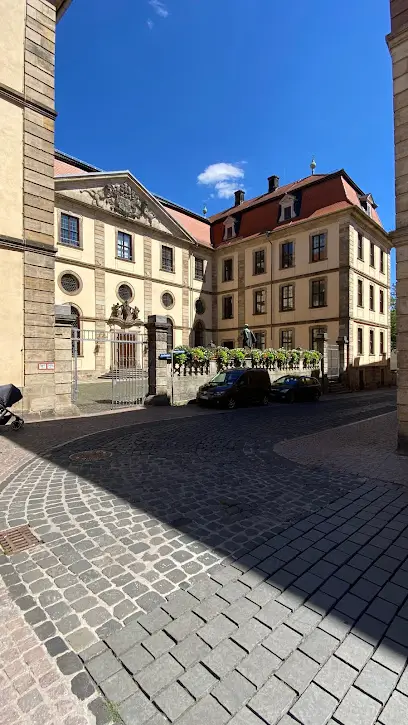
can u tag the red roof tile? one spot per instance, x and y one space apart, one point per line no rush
62 168
200 230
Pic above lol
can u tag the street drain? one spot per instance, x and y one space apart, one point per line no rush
12 541
90 456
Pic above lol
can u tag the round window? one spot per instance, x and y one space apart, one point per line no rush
167 300
70 283
125 292
200 307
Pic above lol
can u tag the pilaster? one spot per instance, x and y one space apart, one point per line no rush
241 289
186 296
100 311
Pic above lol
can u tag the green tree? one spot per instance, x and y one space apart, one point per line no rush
393 303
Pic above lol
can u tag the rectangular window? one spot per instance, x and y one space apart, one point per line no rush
286 339
360 250
318 247
360 341
287 297
318 293
260 338
227 308
229 344
372 297
287 255
198 268
371 342
259 262
167 258
360 300
228 233
124 246
70 230
315 340
382 262
287 213
382 343
227 270
259 302
381 302
372 254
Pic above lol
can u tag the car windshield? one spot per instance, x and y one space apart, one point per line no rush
227 377
286 380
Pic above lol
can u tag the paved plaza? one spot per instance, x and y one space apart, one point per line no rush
190 571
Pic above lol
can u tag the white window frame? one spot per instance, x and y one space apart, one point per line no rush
288 202
229 223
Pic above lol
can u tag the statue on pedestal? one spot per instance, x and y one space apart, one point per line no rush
248 337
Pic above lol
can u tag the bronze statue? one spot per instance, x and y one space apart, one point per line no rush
126 310
248 337
115 310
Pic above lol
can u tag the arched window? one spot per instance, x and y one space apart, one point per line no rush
170 335
76 331
199 330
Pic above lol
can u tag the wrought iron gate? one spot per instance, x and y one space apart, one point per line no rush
333 362
111 365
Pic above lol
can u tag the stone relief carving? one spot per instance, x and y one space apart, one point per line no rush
121 199
124 315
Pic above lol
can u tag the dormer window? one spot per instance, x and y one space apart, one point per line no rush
229 228
287 208
368 204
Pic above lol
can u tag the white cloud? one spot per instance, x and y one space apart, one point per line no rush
159 8
150 24
224 178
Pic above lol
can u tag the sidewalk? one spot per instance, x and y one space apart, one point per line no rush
366 449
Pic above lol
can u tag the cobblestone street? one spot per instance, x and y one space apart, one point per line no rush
188 573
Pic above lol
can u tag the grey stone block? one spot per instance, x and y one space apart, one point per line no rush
272 701
396 710
220 628
93 651
246 717
207 711
354 651
198 681
204 589
282 641
209 608
304 620
394 593
351 605
298 671
391 655
382 610
159 643
178 603
259 665
82 686
136 710
336 677
369 629
250 634
335 587
126 638
233 692
190 650
309 582
320 602
376 575
136 659
103 666
403 683
273 614
263 593
29 701
377 681
233 591
153 621
55 646
314 707
69 663
224 658
241 610
180 628
357 708
365 590
319 645
118 687
173 701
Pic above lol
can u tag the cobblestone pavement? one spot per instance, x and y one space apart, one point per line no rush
188 578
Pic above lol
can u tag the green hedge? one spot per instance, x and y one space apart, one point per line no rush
270 358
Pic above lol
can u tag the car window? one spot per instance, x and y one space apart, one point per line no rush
226 377
287 380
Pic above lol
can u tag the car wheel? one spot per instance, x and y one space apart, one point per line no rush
231 403
291 396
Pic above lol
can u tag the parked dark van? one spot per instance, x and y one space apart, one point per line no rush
239 386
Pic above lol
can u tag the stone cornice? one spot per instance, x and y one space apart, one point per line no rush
394 39
399 237
19 99
24 245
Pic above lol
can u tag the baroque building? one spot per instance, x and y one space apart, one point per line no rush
300 260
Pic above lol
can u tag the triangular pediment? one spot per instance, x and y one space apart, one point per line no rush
229 221
288 199
121 195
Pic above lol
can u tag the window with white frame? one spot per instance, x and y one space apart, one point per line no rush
287 208
229 228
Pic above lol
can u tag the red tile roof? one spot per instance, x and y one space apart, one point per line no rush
200 230
62 168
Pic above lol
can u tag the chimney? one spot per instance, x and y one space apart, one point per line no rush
273 183
239 197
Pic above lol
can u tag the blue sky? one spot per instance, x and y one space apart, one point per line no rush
168 88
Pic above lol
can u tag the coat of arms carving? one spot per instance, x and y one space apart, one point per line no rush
122 199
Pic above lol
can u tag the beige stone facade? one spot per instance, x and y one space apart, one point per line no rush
398 46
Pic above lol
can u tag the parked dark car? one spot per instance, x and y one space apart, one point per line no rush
295 387
236 387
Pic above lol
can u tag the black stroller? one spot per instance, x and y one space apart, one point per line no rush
9 395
